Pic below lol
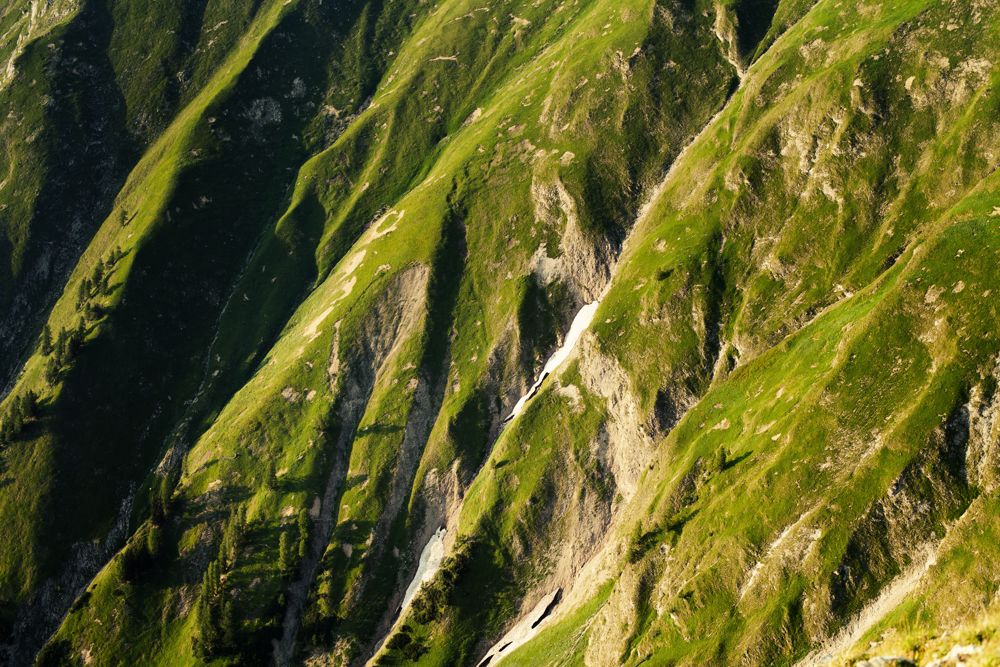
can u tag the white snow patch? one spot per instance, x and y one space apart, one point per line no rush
580 324
430 562
524 631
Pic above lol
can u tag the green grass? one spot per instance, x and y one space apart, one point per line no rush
334 223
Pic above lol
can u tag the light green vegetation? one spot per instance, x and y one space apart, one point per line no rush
320 249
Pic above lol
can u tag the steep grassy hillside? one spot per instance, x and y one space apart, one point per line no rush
88 86
282 276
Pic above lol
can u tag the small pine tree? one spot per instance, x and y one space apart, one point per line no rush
30 405
207 642
83 292
101 279
62 347
231 537
16 416
74 341
285 553
52 371
215 577
45 342
216 623
325 596
303 533
303 521
67 346
92 312
104 287
227 624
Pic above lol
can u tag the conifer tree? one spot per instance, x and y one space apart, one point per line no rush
83 292
303 533
74 340
100 279
52 371
227 624
216 625
30 405
325 596
207 641
285 553
91 312
16 416
230 539
104 285
45 344
62 347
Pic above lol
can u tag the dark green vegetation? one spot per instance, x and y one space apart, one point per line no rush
273 272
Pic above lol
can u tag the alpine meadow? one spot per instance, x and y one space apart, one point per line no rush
506 333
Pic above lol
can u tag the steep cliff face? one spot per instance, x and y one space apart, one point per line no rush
658 331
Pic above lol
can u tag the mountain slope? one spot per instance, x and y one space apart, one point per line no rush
328 249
